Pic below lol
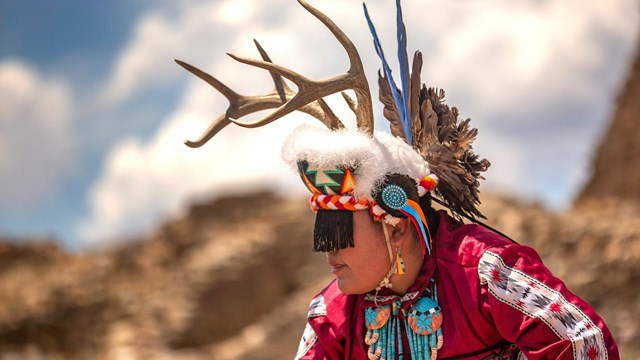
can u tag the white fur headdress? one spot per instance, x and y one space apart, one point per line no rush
370 157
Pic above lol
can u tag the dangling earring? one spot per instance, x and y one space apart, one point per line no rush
400 270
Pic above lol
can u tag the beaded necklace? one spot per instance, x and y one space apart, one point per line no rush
421 322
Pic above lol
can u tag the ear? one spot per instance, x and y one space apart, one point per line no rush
401 232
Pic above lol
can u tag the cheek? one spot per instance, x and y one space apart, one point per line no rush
378 264
368 261
374 252
367 268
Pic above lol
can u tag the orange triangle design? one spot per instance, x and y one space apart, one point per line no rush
348 184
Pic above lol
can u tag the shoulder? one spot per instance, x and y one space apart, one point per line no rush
329 298
329 320
465 244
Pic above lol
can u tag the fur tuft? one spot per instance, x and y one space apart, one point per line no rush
371 157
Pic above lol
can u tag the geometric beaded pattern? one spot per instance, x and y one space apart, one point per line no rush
376 317
336 180
425 316
535 299
317 307
382 299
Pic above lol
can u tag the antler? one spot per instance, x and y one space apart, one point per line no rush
240 105
308 98
311 90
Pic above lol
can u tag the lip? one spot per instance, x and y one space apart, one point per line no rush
335 268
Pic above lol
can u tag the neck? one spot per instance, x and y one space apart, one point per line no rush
413 259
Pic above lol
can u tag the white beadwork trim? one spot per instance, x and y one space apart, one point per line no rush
317 307
308 339
535 299
381 299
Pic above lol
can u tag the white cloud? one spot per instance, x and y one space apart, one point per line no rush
36 138
494 57
503 61
501 52
192 30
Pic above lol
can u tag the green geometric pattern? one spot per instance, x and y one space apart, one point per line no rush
327 180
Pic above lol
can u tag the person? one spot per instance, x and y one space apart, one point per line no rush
410 282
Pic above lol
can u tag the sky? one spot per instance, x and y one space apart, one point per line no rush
94 111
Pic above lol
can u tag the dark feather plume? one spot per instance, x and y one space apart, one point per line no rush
414 97
429 120
420 116
447 146
390 110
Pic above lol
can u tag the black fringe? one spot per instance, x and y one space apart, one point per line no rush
333 230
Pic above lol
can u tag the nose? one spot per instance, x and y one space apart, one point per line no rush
331 255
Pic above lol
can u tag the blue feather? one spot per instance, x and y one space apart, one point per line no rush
397 97
409 211
404 70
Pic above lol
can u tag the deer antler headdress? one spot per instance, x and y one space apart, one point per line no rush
348 170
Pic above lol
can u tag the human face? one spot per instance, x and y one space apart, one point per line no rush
360 269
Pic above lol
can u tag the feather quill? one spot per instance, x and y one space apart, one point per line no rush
390 110
403 61
414 99
387 71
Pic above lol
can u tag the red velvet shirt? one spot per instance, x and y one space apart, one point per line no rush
497 298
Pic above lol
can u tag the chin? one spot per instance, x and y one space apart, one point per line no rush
349 288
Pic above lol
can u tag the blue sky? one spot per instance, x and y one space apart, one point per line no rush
75 43
93 111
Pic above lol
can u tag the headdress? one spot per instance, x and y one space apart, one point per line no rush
428 150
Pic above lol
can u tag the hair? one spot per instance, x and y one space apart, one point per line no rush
433 219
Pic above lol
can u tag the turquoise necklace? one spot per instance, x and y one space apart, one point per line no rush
422 326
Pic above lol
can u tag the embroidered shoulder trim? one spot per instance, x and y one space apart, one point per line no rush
535 299
382 299
309 338
317 307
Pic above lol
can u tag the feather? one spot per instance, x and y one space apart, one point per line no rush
447 147
401 33
421 117
385 66
414 98
390 111
429 132
466 136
